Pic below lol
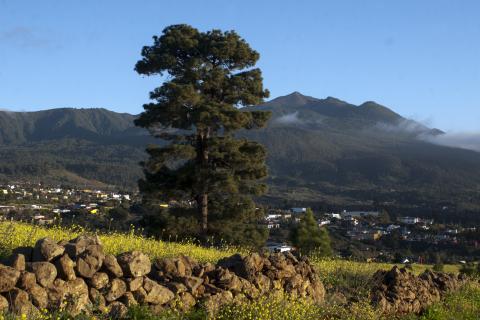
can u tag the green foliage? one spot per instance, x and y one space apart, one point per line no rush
309 238
196 110
470 269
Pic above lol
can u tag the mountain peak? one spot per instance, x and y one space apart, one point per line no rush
294 99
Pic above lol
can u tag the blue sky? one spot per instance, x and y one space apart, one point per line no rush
420 58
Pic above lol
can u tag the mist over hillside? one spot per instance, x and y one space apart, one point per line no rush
318 150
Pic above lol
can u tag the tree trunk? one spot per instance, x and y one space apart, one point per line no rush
202 198
204 213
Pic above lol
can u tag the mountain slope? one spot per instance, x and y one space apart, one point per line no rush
318 150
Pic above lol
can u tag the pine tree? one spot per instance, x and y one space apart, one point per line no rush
309 238
209 76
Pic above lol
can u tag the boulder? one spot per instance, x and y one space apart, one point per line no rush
134 264
156 293
128 299
115 289
99 280
57 293
97 299
140 295
111 266
27 280
213 303
46 250
18 261
246 267
38 296
78 245
89 261
3 304
176 287
186 301
8 278
65 268
77 297
227 280
134 284
117 310
45 272
20 302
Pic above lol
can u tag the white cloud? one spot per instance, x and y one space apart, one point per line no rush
405 125
291 118
464 140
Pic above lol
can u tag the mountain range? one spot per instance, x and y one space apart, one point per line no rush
324 150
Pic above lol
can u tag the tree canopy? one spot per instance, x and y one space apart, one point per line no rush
309 238
208 77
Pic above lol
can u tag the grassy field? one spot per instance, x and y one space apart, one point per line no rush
341 278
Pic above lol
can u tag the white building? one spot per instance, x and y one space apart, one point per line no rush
409 220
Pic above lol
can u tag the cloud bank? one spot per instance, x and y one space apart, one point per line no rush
464 140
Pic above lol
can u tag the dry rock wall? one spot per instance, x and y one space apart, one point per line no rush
400 292
79 276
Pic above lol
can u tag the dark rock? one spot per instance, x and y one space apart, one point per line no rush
4 305
8 278
65 268
90 261
111 266
18 262
99 280
134 264
78 245
46 250
26 280
128 299
117 310
134 284
156 293
45 272
38 296
115 289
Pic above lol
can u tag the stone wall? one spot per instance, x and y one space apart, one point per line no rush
398 291
78 276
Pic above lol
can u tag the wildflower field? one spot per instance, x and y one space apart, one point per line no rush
341 278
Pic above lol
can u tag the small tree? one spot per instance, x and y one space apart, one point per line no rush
309 238
438 265
384 217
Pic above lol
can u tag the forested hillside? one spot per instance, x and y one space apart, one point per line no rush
318 150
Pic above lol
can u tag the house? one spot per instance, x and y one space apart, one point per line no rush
364 234
409 220
322 223
392 227
6 209
298 210
277 247
273 217
359 214
333 215
351 220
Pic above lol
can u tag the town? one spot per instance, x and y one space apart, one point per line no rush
359 235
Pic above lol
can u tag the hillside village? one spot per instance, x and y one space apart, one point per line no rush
364 235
